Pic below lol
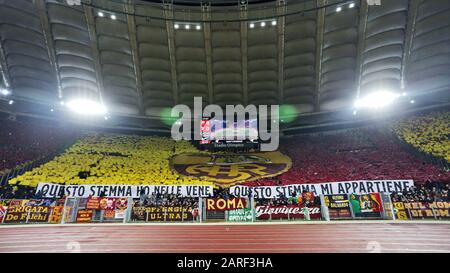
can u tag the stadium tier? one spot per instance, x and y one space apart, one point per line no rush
429 133
24 142
113 159
347 155
355 154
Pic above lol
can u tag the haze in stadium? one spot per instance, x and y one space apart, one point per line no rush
225 126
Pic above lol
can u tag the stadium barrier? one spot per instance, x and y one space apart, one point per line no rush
129 210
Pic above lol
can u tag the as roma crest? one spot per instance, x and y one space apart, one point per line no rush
230 169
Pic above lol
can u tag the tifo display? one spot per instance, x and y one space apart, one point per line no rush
345 167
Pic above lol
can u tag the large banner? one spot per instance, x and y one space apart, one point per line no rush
347 187
366 205
240 215
20 214
166 213
338 206
221 204
285 212
55 190
422 210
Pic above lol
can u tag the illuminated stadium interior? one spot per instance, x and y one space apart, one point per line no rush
88 94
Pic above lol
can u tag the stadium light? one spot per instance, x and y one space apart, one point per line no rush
352 5
5 92
87 107
252 25
187 26
376 100
412 101
263 24
274 23
11 102
113 17
101 14
198 27
176 26
338 9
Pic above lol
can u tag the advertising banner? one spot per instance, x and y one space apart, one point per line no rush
240 215
221 204
366 205
338 206
285 212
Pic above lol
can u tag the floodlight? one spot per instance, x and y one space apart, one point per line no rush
87 107
376 100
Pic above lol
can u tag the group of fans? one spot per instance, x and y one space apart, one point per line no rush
428 133
163 200
427 192
114 159
21 143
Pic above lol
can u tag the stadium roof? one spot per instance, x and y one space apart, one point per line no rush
139 58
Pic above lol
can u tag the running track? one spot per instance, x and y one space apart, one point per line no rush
284 238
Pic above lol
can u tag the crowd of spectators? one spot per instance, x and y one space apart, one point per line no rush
163 200
16 192
429 133
427 192
355 154
114 159
24 142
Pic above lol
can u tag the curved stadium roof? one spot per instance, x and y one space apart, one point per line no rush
315 59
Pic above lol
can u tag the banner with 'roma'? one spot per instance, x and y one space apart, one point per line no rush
222 204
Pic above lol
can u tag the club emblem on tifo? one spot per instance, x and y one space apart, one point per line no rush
230 169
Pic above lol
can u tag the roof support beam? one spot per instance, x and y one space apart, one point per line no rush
244 52
320 28
206 14
168 12
362 27
132 35
4 67
90 21
281 23
48 36
409 37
